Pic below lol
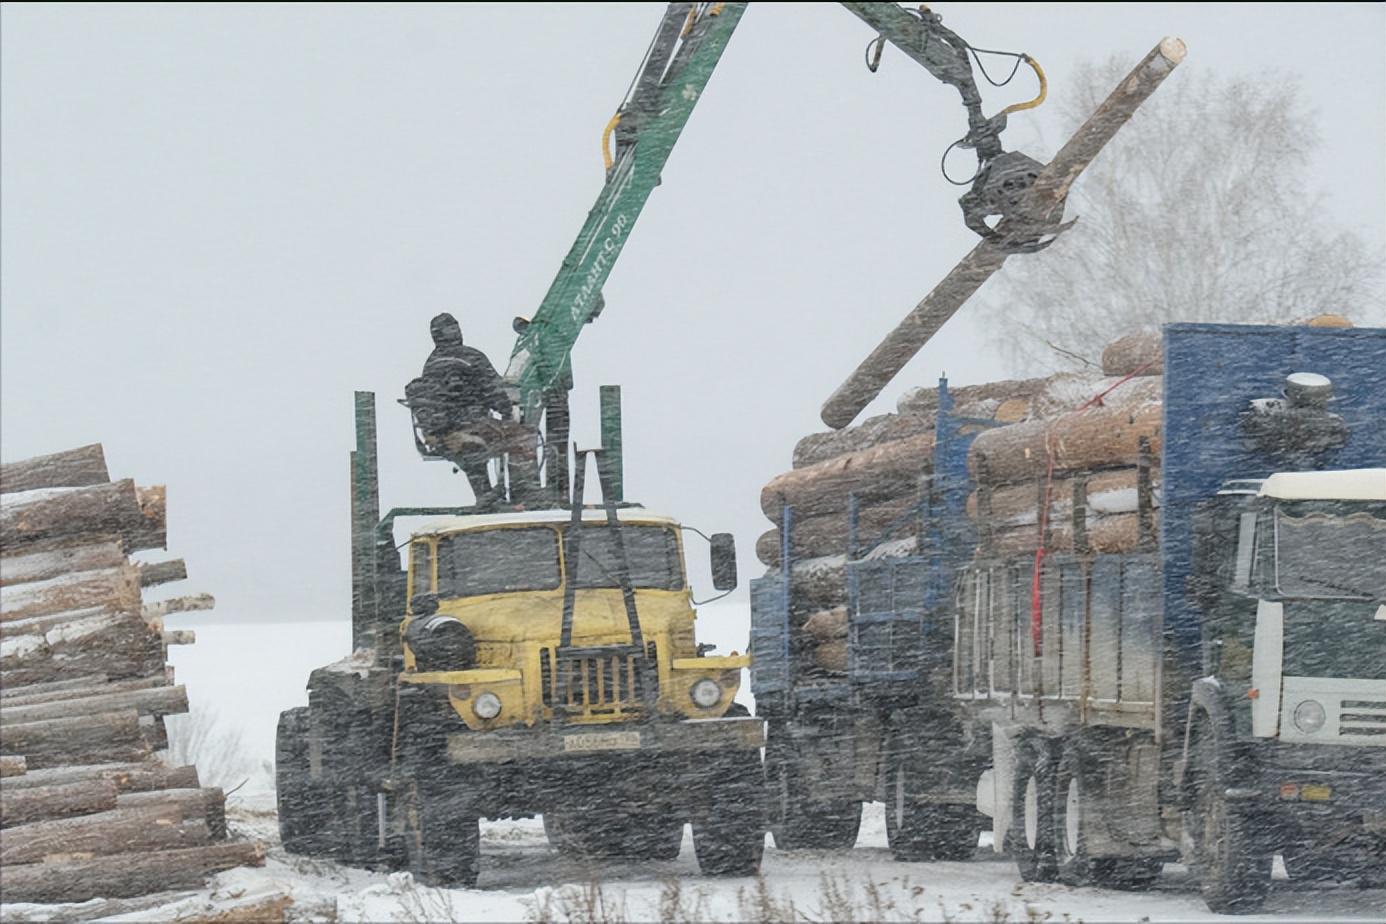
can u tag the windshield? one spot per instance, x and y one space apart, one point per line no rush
653 553
1331 553
497 561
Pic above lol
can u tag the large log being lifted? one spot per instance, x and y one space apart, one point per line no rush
81 516
125 875
1043 199
73 468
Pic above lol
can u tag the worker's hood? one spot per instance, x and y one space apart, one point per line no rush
446 331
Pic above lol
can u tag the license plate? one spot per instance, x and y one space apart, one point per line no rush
602 741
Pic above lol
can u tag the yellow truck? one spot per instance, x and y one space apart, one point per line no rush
521 663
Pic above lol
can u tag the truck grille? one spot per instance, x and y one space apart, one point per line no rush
592 684
1362 717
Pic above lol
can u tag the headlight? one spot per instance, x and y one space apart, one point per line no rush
441 643
706 693
486 706
1309 716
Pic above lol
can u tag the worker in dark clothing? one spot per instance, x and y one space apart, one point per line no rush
471 383
453 402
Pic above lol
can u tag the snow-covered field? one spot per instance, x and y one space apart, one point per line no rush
245 674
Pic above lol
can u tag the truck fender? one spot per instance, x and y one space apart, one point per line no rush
1208 703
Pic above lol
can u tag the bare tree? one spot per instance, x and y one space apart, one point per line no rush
199 737
1201 209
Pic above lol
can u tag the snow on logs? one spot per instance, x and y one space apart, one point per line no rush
88 807
1094 438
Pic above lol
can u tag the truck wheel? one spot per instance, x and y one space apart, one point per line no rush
1233 878
634 835
1031 836
796 822
728 824
443 845
918 831
304 806
657 836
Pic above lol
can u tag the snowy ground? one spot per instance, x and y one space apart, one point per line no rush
522 879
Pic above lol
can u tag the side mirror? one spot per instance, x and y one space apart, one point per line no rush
421 605
723 555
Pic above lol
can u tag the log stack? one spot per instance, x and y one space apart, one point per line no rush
1090 436
88 808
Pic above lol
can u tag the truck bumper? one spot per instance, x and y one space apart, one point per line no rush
575 742
1331 785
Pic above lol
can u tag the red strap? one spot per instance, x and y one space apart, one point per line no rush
1036 604
1096 400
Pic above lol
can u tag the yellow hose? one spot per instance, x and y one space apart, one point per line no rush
607 159
1043 90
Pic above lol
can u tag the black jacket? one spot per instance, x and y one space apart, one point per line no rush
461 376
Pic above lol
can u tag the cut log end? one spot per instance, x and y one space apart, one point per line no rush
1173 50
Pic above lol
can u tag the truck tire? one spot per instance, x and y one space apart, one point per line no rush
797 822
918 831
1074 785
1233 877
634 835
442 845
305 807
1031 836
728 823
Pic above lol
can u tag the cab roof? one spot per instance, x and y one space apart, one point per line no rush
555 517
1366 484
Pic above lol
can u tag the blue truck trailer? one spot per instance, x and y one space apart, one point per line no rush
1216 694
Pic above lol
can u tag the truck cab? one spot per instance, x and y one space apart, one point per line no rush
486 617
1305 607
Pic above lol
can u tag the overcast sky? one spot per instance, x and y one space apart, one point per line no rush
220 220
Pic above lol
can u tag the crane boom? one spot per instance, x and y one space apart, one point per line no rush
686 49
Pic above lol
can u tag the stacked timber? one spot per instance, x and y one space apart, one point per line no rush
1093 437
88 809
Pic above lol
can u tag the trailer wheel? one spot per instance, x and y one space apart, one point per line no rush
796 821
918 831
1031 836
1073 788
1234 878
442 844
304 806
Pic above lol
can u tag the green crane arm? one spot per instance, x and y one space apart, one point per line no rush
685 50
680 61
